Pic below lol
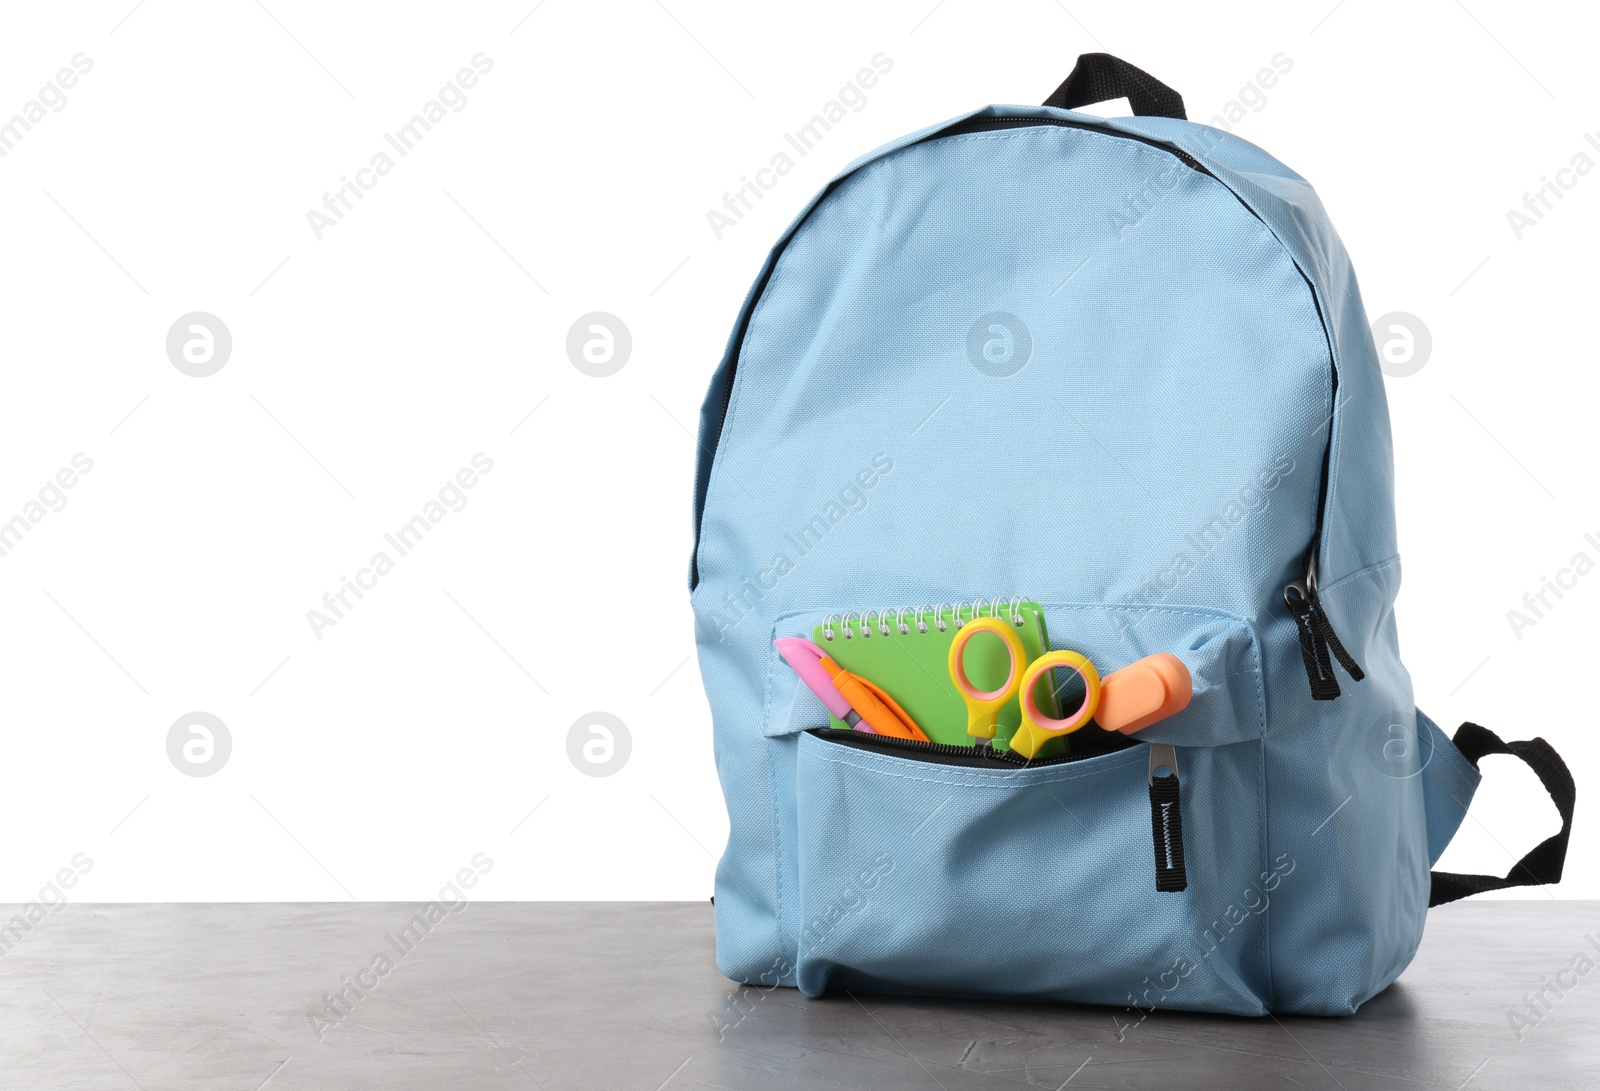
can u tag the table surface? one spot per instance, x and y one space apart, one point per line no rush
618 995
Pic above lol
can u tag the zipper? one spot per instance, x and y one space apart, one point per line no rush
1317 638
1166 804
969 757
990 124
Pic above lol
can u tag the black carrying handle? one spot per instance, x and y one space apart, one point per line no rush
1099 77
1543 864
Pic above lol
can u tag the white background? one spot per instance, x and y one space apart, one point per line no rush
369 366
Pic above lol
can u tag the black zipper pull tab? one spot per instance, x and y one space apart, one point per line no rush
1166 819
1318 640
1325 627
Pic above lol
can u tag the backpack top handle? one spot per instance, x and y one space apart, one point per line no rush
1099 77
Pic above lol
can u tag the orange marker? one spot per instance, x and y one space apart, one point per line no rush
1144 692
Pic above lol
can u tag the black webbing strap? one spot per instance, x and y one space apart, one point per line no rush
1100 77
1543 864
1166 826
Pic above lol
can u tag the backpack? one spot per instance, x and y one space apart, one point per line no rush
1119 367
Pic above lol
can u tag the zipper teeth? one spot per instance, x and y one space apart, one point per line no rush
1327 449
858 740
991 123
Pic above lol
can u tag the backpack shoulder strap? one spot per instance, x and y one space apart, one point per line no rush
1543 864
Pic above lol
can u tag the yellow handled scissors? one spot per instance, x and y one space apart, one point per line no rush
983 706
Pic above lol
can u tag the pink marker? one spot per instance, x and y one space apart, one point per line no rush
807 660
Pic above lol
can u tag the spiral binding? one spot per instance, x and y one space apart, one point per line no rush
890 621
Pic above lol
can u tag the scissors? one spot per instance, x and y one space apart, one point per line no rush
983 706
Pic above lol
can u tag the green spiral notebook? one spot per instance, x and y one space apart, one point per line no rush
907 653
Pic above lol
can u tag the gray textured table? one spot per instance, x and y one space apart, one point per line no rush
568 996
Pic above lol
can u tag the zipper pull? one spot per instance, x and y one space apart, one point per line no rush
1166 819
1317 639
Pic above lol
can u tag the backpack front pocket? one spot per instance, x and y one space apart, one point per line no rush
1028 882
940 869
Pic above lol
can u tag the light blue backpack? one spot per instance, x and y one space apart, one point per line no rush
1118 367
